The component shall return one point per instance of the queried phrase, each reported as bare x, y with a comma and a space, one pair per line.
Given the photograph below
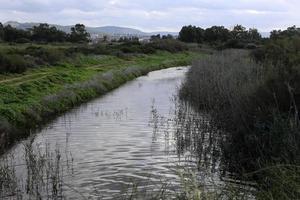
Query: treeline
282, 49
238, 37
292, 31
218, 34
44, 33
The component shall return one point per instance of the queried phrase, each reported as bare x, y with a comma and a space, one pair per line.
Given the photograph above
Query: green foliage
47, 55
13, 35
284, 51
219, 36
28, 99
13, 63
169, 45
1, 32
79, 34
191, 34
45, 33
289, 32
216, 34
42, 55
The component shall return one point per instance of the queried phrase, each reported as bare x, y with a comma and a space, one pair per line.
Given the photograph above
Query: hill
110, 30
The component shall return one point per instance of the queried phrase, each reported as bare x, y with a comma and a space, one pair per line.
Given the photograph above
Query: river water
117, 140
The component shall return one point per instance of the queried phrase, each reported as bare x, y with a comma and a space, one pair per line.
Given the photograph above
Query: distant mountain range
109, 30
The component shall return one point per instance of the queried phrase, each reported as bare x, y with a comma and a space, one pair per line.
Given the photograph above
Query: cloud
152, 15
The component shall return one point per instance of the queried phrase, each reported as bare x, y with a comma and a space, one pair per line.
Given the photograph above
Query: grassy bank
255, 106
31, 98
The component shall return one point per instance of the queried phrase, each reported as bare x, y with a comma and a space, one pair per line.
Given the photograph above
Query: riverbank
30, 99
255, 107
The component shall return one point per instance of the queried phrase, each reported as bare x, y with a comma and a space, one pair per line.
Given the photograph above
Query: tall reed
254, 104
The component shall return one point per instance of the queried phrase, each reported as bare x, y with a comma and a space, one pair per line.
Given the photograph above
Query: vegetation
36, 76
254, 101
30, 98
48, 171
18, 58
43, 34
43, 177
252, 98
221, 37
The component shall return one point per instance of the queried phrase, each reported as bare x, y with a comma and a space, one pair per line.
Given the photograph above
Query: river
118, 140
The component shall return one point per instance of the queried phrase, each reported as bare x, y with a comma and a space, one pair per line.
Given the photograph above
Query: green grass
29, 99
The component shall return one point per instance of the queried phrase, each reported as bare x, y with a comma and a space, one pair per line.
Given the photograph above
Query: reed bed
255, 108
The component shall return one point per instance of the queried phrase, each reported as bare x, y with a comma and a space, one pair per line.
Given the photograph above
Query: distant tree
239, 32
45, 33
292, 31
254, 35
199, 33
41, 33
217, 34
15, 35
191, 34
79, 34
289, 32
155, 37
166, 37
58, 35
275, 34
1, 32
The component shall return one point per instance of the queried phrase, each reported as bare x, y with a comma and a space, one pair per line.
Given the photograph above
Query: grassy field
30, 98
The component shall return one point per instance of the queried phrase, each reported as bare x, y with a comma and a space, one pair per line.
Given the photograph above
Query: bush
255, 107
13, 63
284, 51
23, 40
48, 55
255, 104
169, 45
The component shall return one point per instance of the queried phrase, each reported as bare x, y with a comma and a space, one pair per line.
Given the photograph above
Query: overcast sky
155, 15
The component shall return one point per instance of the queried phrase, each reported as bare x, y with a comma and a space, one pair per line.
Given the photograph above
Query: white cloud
155, 15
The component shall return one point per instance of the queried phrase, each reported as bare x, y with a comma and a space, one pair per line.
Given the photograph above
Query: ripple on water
112, 141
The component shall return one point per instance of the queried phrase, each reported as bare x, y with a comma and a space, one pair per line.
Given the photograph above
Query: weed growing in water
40, 176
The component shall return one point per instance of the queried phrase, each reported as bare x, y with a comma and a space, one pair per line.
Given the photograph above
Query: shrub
48, 55
13, 63
23, 40
255, 106
170, 45
253, 103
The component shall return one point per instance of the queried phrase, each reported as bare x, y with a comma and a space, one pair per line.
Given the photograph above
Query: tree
79, 34
155, 37
1, 32
217, 34
14, 35
254, 35
275, 34
289, 32
239, 32
191, 34
40, 33
45, 33
167, 37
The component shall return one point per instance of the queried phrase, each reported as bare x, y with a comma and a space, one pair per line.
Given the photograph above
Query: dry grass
256, 108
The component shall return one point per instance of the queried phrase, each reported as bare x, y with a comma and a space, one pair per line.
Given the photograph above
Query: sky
155, 15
